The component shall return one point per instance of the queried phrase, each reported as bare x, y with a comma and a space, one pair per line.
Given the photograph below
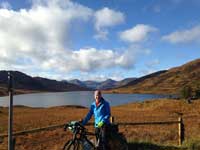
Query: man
101, 110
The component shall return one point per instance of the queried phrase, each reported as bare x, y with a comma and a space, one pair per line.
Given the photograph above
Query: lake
83, 98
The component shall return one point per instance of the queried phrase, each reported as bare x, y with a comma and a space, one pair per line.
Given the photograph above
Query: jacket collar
100, 102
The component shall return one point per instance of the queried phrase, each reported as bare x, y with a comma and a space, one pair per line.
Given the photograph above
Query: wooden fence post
180, 131
10, 116
111, 119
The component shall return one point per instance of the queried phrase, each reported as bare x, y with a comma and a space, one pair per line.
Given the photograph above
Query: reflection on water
83, 98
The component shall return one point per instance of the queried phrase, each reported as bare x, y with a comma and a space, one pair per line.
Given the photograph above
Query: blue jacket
101, 113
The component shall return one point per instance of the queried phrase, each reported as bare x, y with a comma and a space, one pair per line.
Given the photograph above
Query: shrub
197, 91
193, 145
186, 92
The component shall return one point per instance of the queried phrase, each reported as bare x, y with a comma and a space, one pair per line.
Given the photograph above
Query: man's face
97, 96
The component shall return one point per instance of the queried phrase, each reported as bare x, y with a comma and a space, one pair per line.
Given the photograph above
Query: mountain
77, 82
26, 84
92, 84
21, 81
53, 85
125, 81
167, 82
149, 76
107, 84
103, 85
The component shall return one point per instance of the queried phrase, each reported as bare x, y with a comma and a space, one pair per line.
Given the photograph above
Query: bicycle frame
79, 136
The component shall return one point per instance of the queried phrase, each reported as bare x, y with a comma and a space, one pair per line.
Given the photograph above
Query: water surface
83, 98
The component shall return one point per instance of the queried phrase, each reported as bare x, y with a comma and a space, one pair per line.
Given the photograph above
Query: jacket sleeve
89, 115
107, 113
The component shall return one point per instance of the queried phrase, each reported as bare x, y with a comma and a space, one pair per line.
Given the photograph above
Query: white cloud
184, 36
107, 17
104, 18
5, 5
40, 28
100, 77
138, 33
91, 59
101, 35
153, 63
35, 41
35, 35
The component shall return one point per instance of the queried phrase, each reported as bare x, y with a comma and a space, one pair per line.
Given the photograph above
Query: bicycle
80, 141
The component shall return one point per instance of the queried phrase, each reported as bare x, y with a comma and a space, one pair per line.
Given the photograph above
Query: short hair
97, 92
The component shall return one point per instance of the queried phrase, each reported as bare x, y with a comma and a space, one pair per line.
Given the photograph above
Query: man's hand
100, 124
80, 121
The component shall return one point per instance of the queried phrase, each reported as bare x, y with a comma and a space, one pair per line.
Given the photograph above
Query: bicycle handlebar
74, 125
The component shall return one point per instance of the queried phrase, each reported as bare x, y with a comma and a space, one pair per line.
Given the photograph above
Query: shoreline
22, 91
61, 106
4, 92
80, 106
121, 105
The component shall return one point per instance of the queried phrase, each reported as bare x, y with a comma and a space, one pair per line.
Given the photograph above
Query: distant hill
125, 81
165, 81
110, 84
141, 79
170, 81
92, 84
78, 82
26, 84
107, 84
89, 84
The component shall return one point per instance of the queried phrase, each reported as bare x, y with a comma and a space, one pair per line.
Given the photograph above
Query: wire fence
29, 137
24, 142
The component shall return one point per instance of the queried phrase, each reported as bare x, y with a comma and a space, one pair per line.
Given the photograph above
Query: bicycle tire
73, 145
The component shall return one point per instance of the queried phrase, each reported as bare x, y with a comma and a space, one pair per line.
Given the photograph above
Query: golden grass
154, 110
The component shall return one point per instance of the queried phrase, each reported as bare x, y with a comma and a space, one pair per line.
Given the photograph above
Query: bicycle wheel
73, 145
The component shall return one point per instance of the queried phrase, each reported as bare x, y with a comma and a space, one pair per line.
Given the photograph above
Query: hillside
170, 81
164, 82
26, 84
125, 81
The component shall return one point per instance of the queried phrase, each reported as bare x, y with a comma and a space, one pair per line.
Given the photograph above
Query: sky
97, 40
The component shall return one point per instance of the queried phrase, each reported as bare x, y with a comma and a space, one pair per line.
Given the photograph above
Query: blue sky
96, 40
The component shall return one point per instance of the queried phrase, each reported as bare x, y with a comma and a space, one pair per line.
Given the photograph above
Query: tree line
189, 92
